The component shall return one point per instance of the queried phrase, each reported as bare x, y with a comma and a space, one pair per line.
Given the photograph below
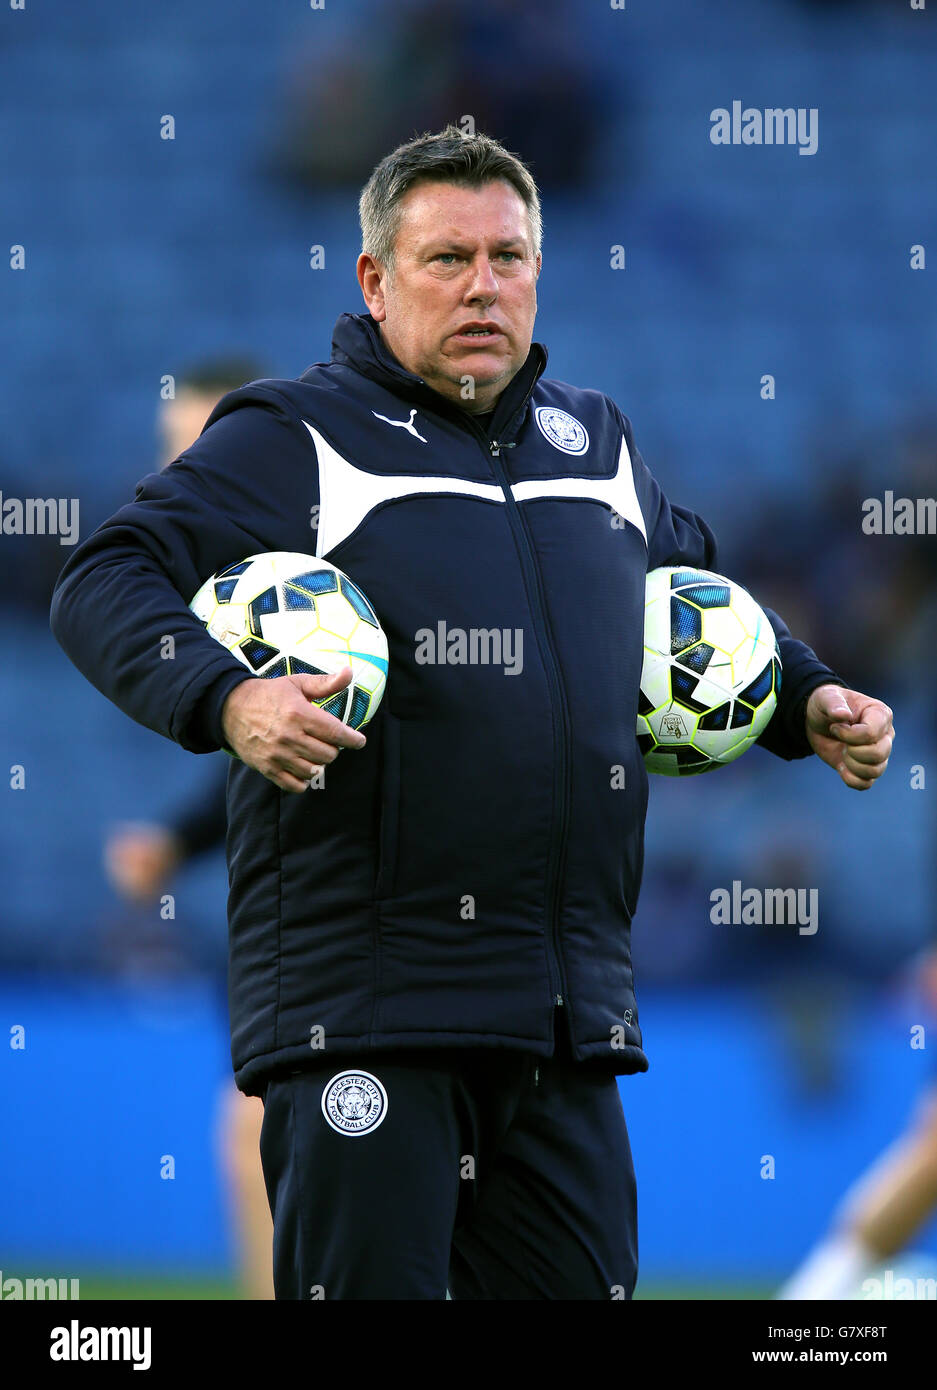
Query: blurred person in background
886, 1207
896, 1196
142, 859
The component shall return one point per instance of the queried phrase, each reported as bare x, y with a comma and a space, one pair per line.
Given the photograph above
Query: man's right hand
273, 727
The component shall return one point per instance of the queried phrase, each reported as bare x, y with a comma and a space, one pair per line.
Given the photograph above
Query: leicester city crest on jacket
562, 429
354, 1102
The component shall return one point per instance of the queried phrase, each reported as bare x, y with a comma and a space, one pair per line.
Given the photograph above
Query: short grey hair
451, 156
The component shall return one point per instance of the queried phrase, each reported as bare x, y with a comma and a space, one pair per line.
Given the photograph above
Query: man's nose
483, 283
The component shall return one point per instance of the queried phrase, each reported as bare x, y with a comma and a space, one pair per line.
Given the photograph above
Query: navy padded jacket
476, 866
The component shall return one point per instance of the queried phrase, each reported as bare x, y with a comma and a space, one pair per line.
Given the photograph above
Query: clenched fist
273, 727
852, 733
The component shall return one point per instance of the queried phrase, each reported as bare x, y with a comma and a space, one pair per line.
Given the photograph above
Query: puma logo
404, 424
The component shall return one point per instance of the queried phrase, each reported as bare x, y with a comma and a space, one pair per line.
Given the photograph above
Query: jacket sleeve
676, 536
248, 484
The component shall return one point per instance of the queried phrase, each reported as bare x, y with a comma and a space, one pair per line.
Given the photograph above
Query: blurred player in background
883, 1211
141, 859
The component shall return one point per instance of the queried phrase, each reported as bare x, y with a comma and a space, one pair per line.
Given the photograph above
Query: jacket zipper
492, 448
558, 858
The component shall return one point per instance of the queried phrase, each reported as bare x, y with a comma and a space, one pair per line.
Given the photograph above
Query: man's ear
371, 278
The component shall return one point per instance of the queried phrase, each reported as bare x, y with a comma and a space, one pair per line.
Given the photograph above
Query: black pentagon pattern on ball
258, 653
645, 744
335, 704
683, 684
708, 595
698, 658
686, 626
304, 668
224, 588
690, 769
315, 582
226, 580
716, 720
741, 715
360, 700
681, 577
760, 687
644, 704
689, 761
264, 603
358, 601
295, 600
279, 668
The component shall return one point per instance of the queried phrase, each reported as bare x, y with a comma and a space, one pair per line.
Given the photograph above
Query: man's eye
447, 256
512, 255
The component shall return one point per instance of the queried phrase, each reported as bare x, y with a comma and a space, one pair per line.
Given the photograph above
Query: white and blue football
711, 673
282, 614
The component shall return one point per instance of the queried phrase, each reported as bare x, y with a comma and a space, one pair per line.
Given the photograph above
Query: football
283, 614
711, 674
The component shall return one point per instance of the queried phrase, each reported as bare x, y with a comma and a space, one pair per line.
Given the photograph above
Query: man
141, 860
430, 976
887, 1206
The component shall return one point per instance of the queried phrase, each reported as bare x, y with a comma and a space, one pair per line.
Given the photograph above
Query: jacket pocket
390, 808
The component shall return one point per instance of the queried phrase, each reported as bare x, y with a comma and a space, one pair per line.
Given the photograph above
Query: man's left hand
851, 732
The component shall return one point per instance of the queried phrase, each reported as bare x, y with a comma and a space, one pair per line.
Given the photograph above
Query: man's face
181, 420
464, 260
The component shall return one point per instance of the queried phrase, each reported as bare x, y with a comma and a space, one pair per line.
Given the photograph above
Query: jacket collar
357, 343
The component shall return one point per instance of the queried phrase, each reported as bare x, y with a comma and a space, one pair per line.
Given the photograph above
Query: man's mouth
477, 335
479, 332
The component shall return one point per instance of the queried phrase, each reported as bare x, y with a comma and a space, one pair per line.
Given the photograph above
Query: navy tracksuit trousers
497, 1175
